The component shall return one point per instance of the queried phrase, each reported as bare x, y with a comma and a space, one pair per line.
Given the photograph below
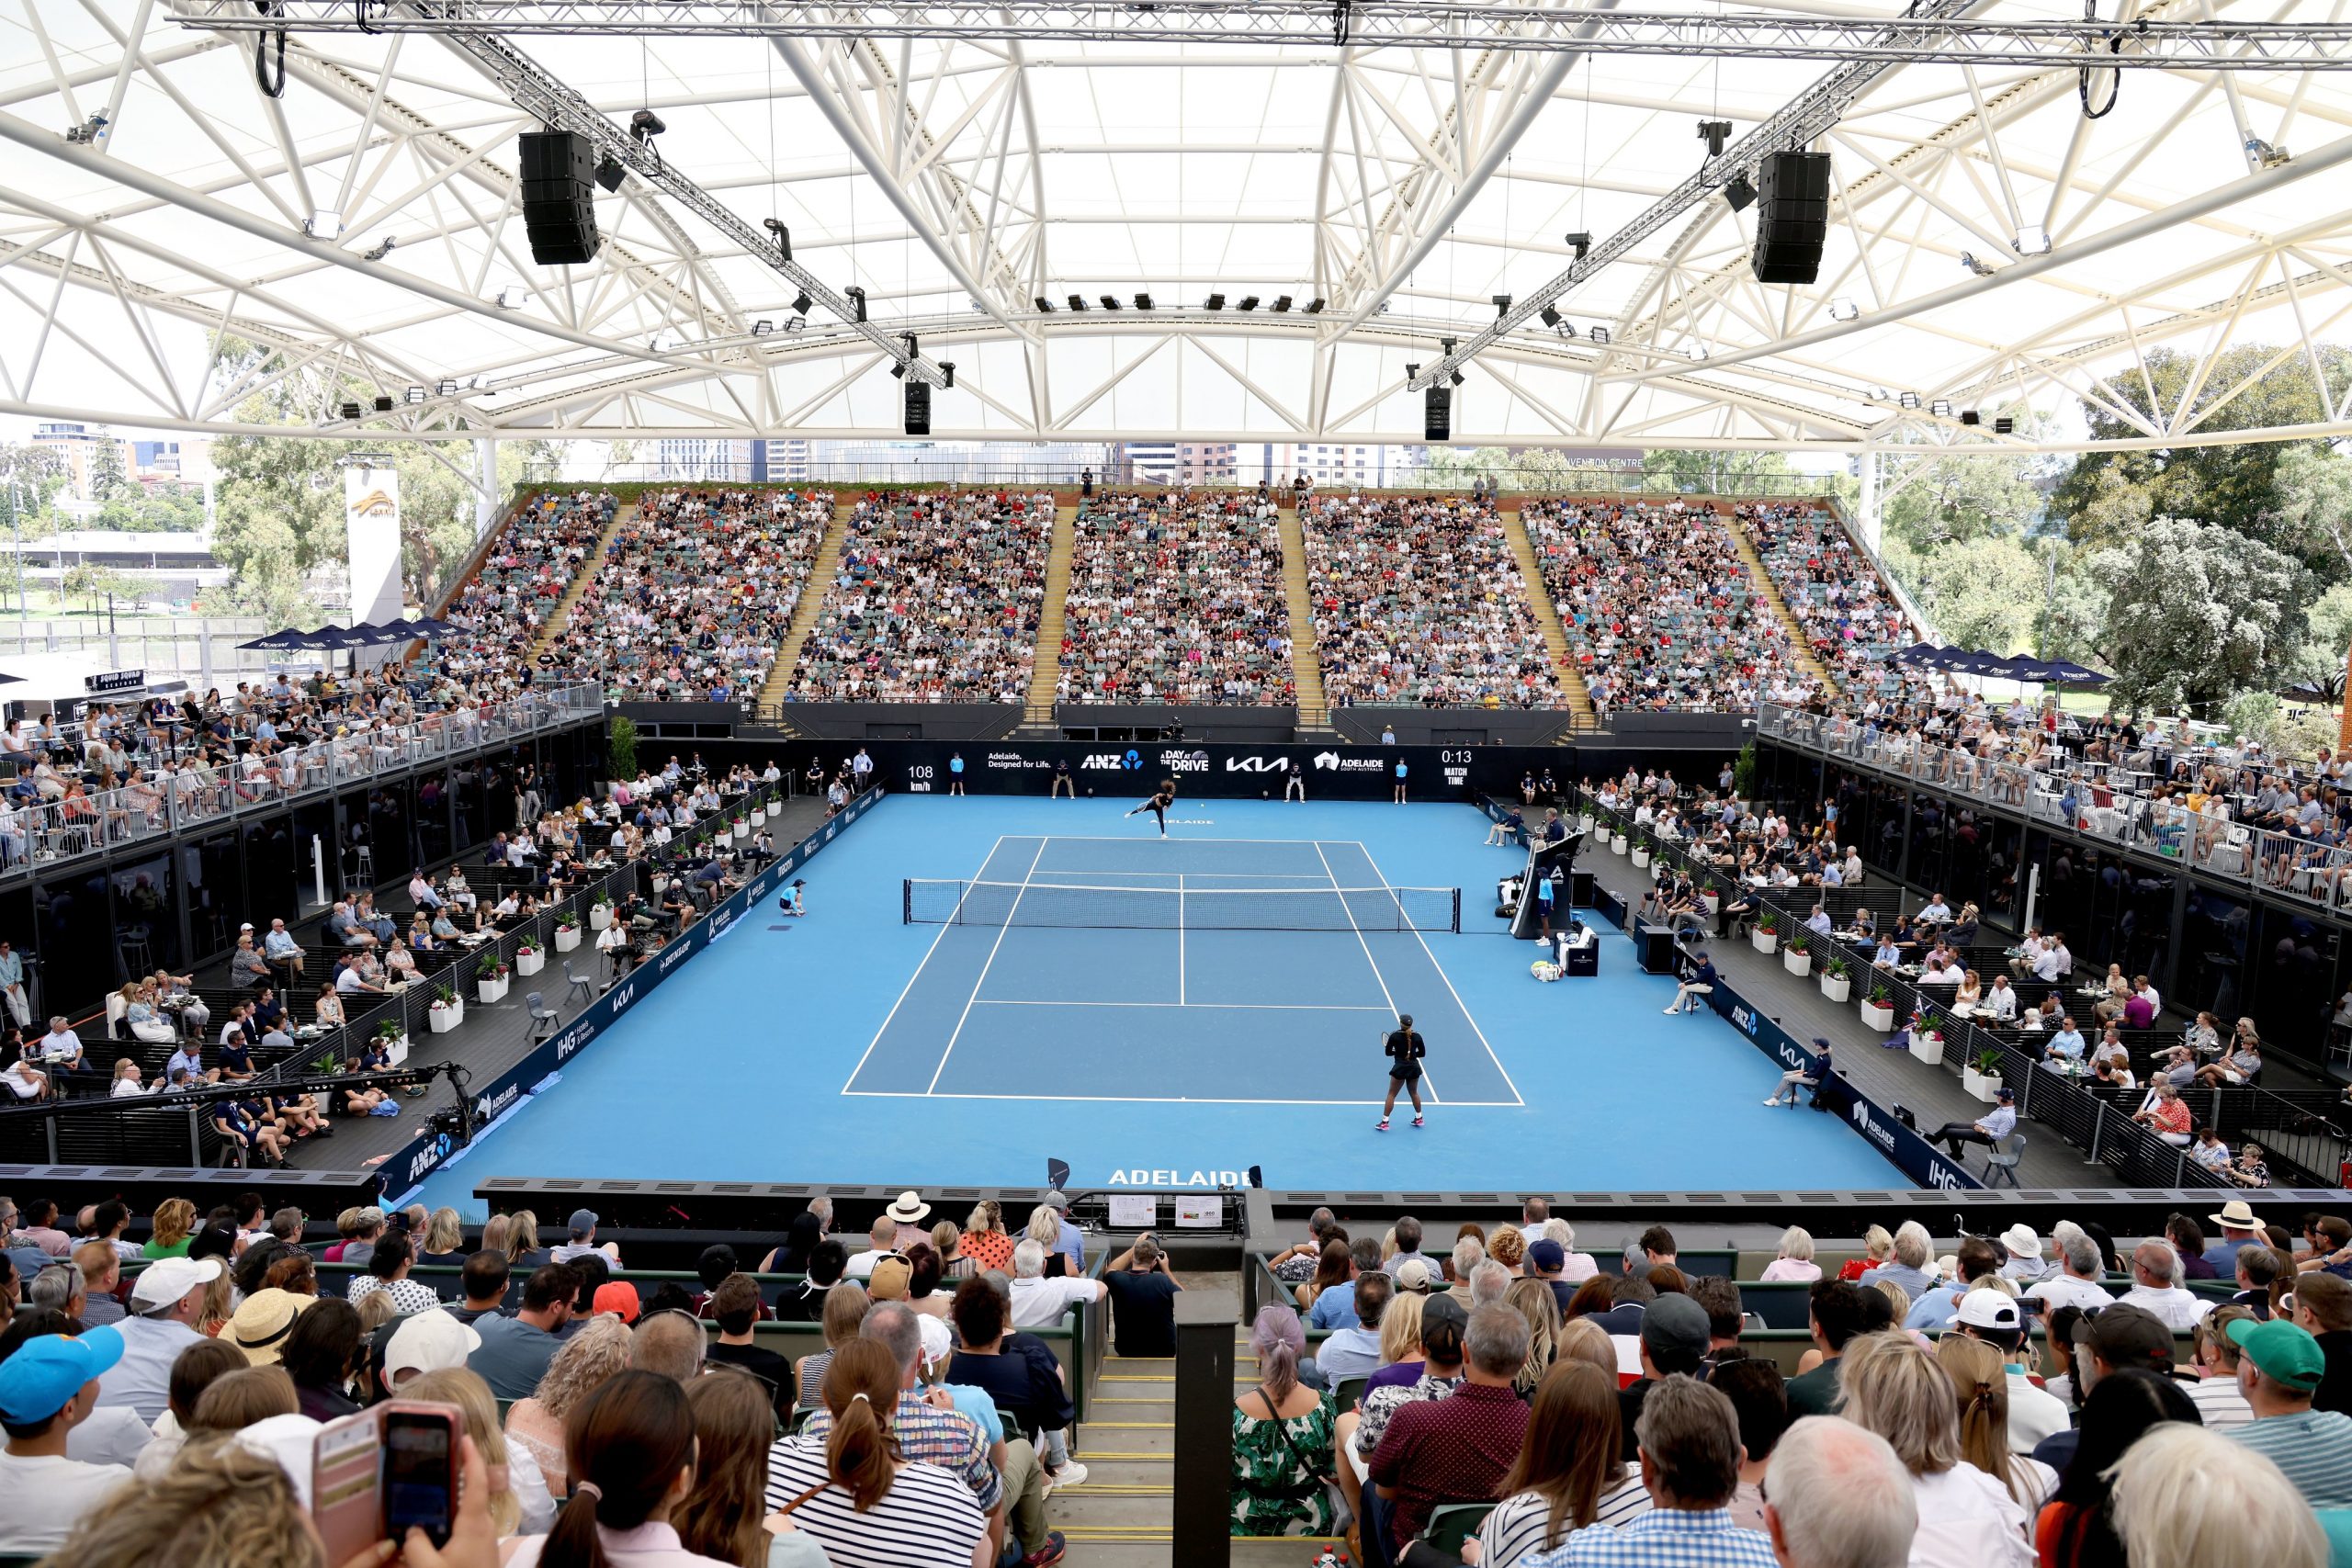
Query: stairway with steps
1305, 665
622, 518
1038, 717
1771, 593
804, 613
1547, 617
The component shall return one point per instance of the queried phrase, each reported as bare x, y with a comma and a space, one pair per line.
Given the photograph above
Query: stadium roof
1989, 242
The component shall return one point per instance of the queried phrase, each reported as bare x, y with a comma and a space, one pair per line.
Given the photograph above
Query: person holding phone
1404, 1048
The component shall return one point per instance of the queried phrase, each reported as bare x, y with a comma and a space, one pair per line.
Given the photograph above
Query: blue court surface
1164, 1048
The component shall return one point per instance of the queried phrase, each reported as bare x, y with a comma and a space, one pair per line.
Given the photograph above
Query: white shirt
861, 1264
1039, 1304
2034, 1413
2177, 1307
42, 1499
142, 1379
1967, 1519
113, 1434
2067, 1289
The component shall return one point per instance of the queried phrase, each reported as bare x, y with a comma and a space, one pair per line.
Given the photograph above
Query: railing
36, 834
2104, 802
2094, 1119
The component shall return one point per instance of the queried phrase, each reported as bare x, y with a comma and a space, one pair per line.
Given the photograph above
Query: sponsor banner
1923, 1164
371, 521
429, 1152
1207, 770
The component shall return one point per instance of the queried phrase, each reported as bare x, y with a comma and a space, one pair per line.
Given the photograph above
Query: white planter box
742, 830
444, 1019
399, 1052
1797, 963
1714, 901
488, 991
1985, 1086
660, 883
1879, 1018
1641, 858
566, 938
1930, 1050
1583, 823
599, 916
529, 963
1618, 844
759, 817
1766, 941
1837, 987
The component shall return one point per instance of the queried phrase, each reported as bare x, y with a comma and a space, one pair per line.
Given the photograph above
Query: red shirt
1455, 1450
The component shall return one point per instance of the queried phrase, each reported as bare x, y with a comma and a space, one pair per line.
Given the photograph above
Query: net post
1457, 926
907, 901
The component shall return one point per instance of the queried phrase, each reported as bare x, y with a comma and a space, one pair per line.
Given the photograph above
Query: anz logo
1745, 1017
1110, 762
432, 1154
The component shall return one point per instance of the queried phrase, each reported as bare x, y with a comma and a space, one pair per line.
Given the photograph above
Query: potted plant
600, 913
1642, 846
742, 828
1617, 842
759, 814
567, 932
1878, 1011
1836, 980
529, 958
1798, 959
1928, 1040
447, 1012
1982, 1076
1712, 897
490, 979
1767, 935
395, 1039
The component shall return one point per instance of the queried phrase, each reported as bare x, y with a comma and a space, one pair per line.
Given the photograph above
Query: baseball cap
430, 1342
46, 1373
581, 1221
2005, 1093
937, 1343
2125, 1336
2282, 1352
263, 1322
1547, 1256
889, 1281
1444, 1309
618, 1298
168, 1280
1413, 1274
1989, 1309
1057, 1199
1675, 1322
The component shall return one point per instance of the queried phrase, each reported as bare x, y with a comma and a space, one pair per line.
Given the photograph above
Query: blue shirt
1071, 1239
1335, 1308
1351, 1352
2068, 1045
1663, 1537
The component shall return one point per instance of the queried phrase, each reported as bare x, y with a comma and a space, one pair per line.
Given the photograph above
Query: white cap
430, 1342
937, 1343
169, 1280
1990, 1309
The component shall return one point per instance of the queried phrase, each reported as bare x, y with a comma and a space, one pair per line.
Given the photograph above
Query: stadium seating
500, 611
1176, 599
1846, 610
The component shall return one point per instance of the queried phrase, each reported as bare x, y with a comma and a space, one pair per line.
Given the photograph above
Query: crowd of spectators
1658, 606
1846, 612
1176, 598
694, 595
502, 609
936, 599
2021, 1399
1419, 602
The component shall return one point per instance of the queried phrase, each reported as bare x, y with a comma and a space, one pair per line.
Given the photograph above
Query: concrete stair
1771, 593
622, 518
1038, 717
1555, 637
1305, 665
804, 613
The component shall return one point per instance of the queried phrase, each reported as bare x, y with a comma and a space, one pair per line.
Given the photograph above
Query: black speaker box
1437, 416
557, 169
918, 407
1792, 216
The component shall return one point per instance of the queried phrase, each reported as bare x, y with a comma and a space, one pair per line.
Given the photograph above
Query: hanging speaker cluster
558, 197
1792, 216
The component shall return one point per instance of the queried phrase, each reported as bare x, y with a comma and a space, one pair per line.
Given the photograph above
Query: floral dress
1280, 1468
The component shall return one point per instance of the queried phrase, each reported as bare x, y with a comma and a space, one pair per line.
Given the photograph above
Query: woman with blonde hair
1581, 1339
1045, 1230
588, 1360
217, 1505
376, 1309
1400, 1342
1879, 1245
523, 1252
947, 1241
445, 1241
1796, 1261
985, 1241
1980, 1380
2187, 1494
522, 1506
175, 1225
494, 1232
1893, 1387
1534, 1300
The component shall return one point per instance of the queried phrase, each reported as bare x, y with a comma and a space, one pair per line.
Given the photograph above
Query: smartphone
420, 1469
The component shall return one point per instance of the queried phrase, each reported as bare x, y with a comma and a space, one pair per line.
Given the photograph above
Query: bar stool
137, 957
363, 870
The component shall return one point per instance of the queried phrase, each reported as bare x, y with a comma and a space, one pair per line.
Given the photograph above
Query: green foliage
1932, 500
2254, 716
2194, 613
1986, 591
1743, 772
91, 585
620, 744
165, 507
1988, 1062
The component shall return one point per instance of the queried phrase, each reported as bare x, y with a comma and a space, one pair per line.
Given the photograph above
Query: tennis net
932, 902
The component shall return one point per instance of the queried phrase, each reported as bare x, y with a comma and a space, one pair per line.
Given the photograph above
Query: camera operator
1143, 1299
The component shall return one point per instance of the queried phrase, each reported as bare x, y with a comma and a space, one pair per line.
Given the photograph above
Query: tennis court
1234, 970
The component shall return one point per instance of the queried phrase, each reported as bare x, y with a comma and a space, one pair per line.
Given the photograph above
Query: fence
45, 832
2305, 1145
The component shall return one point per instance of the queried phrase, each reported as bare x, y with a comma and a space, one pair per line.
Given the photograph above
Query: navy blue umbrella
277, 642
2066, 672
1926, 655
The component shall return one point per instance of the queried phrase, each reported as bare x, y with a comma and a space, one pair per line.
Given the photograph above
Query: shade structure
277, 642
2066, 672
333, 636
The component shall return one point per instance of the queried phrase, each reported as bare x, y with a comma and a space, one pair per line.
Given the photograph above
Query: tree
1986, 592
2194, 613
165, 507
110, 476
1935, 496
2110, 495
2313, 506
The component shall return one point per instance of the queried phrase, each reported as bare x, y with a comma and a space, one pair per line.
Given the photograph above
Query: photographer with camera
1143, 1299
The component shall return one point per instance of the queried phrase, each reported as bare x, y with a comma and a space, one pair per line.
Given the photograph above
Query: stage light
383, 403
2034, 239
1282, 302
416, 394
1110, 301
800, 303
762, 327
381, 249
1714, 133
1502, 304
610, 173
783, 237
1908, 399
323, 224
2003, 425
1315, 306
1078, 301
513, 297
1246, 302
794, 323
349, 411
1457, 378
1045, 306
857, 298
1143, 303
1982, 269
1601, 334
445, 388
1740, 192
1843, 310
898, 370
1213, 302
645, 124
1549, 315
1581, 243
1971, 417
1940, 408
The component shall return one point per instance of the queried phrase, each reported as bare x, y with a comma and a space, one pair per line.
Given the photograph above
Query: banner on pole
371, 520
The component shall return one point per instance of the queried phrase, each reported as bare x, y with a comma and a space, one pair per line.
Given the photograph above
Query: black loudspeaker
1792, 216
1437, 417
558, 196
918, 407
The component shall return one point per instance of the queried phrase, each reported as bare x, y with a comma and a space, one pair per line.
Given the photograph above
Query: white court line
1180, 939
944, 929
1378, 978
1468, 1017
1146, 1099
991, 961
1203, 1007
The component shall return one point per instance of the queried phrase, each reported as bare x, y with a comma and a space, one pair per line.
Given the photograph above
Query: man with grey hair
368, 1229
1468, 1253
1840, 1498
59, 1286
1913, 1249
1455, 1450
2155, 1286
1689, 1438
1579, 1266
670, 1343
1489, 1282
1037, 1302
2078, 1285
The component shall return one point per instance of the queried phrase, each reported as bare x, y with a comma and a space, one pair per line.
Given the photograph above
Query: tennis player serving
1404, 1048
1164, 797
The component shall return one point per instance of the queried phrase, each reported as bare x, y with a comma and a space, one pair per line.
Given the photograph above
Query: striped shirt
948, 1439
926, 1519
1516, 1526
2219, 1401
1664, 1538
2315, 1449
